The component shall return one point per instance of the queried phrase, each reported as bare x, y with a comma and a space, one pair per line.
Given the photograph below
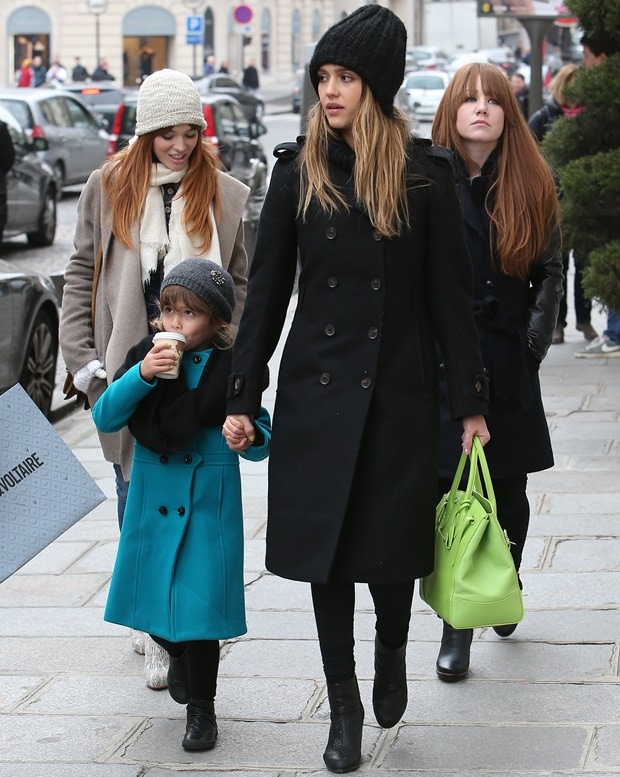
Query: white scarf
175, 245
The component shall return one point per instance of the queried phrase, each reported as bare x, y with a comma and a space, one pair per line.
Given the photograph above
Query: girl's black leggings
334, 606
203, 659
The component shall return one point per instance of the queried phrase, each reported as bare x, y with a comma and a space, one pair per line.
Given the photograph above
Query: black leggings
513, 510
334, 606
203, 658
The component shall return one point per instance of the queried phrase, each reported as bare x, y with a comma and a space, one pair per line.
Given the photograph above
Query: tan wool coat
120, 311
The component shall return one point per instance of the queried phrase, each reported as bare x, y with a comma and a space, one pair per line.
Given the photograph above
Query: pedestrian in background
100, 73
24, 77
57, 73
181, 580
511, 220
373, 215
540, 123
160, 200
7, 159
39, 70
250, 77
79, 72
521, 92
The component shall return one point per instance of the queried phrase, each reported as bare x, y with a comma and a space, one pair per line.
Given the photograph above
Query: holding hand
239, 432
474, 425
159, 359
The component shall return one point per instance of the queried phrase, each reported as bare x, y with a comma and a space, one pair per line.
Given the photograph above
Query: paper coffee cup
176, 342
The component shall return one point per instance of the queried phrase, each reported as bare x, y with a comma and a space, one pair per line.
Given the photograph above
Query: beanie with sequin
167, 98
209, 281
371, 42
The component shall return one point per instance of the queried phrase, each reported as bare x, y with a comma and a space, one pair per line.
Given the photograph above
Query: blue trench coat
179, 567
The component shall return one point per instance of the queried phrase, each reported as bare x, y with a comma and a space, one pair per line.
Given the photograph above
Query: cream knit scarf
176, 244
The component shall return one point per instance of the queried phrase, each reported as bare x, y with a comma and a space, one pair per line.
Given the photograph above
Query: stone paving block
602, 553
55, 558
62, 738
272, 658
50, 590
468, 748
254, 555
591, 525
576, 481
105, 529
577, 626
15, 688
73, 770
606, 751
249, 745
99, 558
566, 444
570, 589
588, 426
57, 622
589, 506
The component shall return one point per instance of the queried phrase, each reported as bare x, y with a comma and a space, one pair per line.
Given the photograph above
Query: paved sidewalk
546, 701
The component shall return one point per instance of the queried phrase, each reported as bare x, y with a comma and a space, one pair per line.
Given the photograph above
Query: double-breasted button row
325, 379
187, 459
375, 283
330, 234
164, 510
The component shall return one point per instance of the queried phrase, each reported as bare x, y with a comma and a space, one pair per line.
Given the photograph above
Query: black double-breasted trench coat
352, 471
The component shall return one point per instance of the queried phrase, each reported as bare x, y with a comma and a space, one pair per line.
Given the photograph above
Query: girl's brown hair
381, 158
525, 205
179, 296
126, 179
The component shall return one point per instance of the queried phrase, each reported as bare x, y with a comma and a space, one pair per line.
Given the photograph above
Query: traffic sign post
194, 33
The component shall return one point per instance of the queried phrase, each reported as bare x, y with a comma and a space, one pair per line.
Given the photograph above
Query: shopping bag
474, 582
44, 489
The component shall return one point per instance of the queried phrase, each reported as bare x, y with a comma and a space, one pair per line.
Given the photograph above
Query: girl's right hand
159, 359
239, 432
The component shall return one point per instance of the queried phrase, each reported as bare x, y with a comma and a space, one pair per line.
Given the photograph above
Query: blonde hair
563, 78
223, 333
380, 173
524, 208
126, 178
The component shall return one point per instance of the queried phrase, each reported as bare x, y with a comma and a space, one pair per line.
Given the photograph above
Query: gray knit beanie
209, 281
167, 98
371, 42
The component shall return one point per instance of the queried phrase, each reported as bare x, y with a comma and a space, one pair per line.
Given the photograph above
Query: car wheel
59, 172
44, 236
39, 371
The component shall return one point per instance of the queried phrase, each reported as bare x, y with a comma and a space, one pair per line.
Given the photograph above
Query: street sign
193, 30
243, 14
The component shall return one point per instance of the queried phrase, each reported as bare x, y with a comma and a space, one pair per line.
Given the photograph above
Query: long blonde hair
563, 78
380, 172
525, 205
126, 178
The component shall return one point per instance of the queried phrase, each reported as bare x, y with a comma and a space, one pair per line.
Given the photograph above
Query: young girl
158, 201
374, 216
179, 568
511, 216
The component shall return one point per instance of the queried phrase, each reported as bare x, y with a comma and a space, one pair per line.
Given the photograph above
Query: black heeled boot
201, 729
178, 681
344, 746
389, 690
453, 658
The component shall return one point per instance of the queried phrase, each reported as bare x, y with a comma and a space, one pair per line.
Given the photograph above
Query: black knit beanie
209, 281
371, 42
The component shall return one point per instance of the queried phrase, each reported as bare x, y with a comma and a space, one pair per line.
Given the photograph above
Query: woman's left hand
239, 432
474, 425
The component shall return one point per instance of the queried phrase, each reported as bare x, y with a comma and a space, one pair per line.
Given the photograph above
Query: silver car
71, 138
28, 333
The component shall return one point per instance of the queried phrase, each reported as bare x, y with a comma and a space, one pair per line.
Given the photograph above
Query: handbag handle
477, 465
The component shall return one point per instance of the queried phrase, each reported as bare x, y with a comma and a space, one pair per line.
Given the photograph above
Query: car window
426, 82
128, 120
55, 112
20, 110
79, 116
225, 120
225, 83
242, 125
18, 136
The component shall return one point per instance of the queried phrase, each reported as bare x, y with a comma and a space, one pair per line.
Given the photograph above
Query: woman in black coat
511, 226
375, 218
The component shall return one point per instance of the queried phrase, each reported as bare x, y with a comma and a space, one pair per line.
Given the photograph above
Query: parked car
425, 58
32, 189
421, 92
102, 97
28, 333
220, 83
70, 137
234, 138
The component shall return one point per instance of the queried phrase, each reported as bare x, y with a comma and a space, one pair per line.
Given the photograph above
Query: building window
296, 58
265, 40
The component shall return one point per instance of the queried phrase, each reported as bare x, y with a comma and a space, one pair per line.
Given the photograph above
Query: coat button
489, 284
330, 233
376, 235
181, 511
197, 359
332, 281
375, 284
330, 330
187, 459
237, 384
366, 382
168, 209
373, 333
478, 386
324, 379
163, 459
163, 510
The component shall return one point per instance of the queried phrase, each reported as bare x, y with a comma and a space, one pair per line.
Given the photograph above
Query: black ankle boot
344, 746
178, 682
201, 729
453, 658
389, 690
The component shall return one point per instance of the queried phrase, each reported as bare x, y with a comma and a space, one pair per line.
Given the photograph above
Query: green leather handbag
474, 582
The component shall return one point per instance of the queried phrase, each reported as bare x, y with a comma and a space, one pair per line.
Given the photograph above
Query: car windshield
425, 82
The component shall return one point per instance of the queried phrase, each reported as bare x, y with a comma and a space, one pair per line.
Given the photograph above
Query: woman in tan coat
158, 201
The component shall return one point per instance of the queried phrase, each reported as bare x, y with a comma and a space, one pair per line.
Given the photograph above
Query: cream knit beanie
167, 98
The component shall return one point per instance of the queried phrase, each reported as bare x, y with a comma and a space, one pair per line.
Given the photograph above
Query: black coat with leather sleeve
352, 471
515, 320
